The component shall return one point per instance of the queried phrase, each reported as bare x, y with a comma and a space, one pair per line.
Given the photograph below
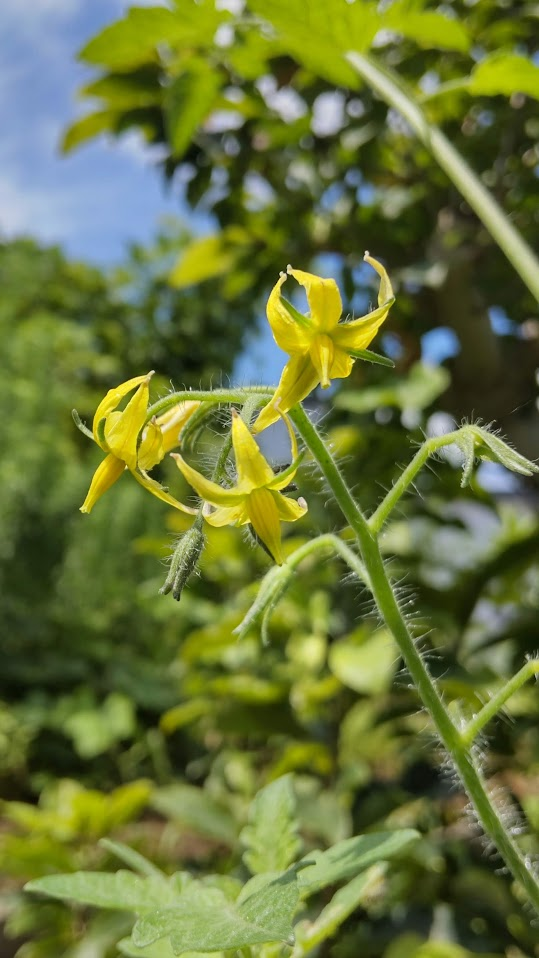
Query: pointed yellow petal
264, 517
288, 335
173, 421
360, 332
106, 474
322, 352
289, 510
207, 489
252, 469
386, 295
298, 379
122, 428
227, 516
113, 397
323, 297
342, 364
284, 478
151, 449
157, 490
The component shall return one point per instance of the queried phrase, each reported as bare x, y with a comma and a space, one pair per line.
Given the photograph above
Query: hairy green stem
455, 743
213, 396
329, 541
470, 732
390, 88
426, 450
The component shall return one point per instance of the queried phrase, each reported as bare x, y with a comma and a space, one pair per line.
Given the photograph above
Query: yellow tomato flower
256, 498
130, 444
320, 347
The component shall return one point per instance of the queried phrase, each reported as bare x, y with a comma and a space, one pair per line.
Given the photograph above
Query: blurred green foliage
130, 716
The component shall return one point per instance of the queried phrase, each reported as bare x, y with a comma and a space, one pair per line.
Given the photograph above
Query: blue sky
96, 199
99, 198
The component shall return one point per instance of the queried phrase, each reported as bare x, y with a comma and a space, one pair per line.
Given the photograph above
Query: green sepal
295, 314
80, 425
369, 357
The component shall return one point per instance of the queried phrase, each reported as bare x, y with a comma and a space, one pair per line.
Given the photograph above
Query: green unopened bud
476, 442
184, 561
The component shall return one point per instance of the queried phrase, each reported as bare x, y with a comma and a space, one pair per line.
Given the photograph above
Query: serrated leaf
204, 920
121, 890
351, 856
504, 74
188, 101
341, 906
196, 810
271, 835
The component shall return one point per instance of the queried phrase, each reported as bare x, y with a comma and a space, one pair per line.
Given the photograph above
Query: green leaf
202, 259
103, 121
318, 34
205, 920
159, 949
505, 73
351, 856
418, 390
188, 100
130, 91
121, 890
132, 858
365, 663
427, 28
344, 902
133, 40
271, 835
196, 810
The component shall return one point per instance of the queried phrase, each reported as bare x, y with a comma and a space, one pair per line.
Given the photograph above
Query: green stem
470, 732
214, 396
457, 747
428, 448
390, 88
329, 541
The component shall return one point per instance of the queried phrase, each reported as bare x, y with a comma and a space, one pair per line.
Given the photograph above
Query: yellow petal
287, 333
386, 295
252, 469
264, 517
173, 421
157, 490
289, 510
298, 379
122, 428
322, 352
323, 297
207, 489
106, 474
227, 516
151, 449
284, 478
360, 332
113, 397
342, 364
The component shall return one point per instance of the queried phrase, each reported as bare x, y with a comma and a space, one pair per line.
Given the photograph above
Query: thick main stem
456, 745
389, 87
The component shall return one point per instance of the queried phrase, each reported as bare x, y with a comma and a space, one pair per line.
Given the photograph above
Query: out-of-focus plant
262, 911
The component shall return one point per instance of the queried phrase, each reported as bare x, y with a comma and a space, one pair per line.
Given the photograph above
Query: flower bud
184, 561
